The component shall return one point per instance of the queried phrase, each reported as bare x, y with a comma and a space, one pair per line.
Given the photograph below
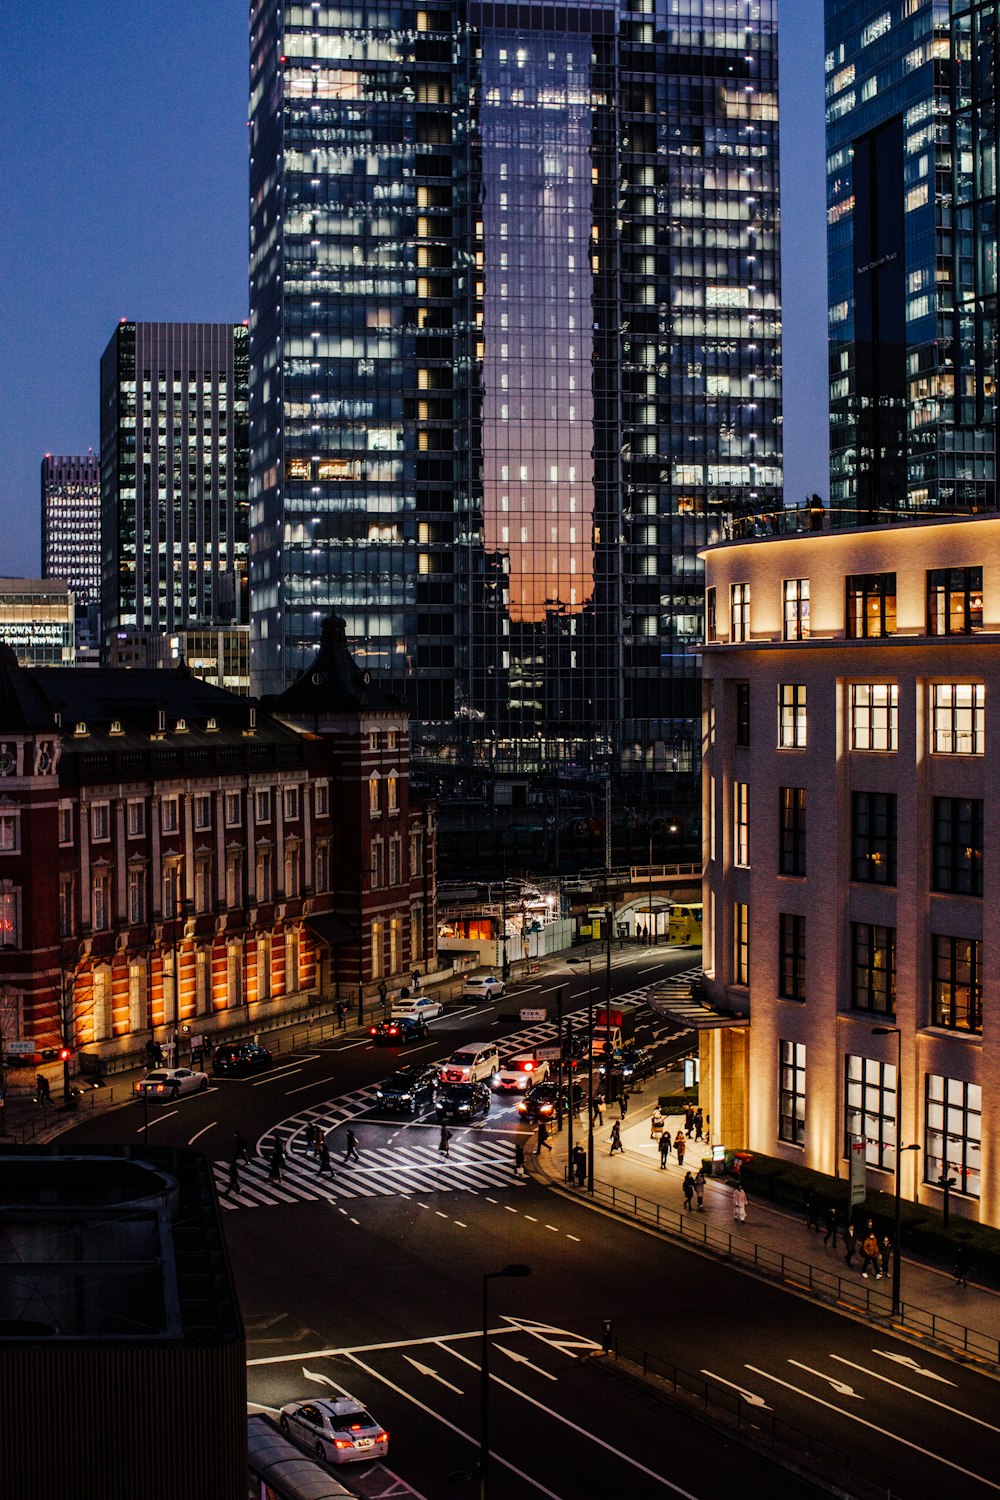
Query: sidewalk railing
827, 1286
780, 1438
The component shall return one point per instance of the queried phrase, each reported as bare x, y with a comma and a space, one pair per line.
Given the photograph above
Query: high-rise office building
71, 523
514, 344
911, 90
174, 463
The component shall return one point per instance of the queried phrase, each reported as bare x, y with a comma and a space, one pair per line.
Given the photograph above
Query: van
472, 1063
685, 924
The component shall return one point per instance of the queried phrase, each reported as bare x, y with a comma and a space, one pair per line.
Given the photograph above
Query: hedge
922, 1230
676, 1104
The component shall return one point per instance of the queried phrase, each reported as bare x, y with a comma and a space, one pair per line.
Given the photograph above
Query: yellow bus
685, 924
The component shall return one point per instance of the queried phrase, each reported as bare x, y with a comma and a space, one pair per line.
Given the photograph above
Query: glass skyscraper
174, 460
911, 110
514, 346
71, 523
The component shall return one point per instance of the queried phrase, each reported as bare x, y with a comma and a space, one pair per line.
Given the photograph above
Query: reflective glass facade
514, 344
912, 241
71, 523
174, 480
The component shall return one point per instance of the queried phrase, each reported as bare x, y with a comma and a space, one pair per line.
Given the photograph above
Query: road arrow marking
911, 1364
522, 1359
920, 1395
750, 1397
840, 1386
321, 1379
556, 1338
426, 1370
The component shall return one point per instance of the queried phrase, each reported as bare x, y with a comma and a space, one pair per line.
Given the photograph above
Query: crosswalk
478, 1158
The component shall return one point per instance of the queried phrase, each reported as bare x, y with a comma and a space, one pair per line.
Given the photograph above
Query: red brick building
174, 858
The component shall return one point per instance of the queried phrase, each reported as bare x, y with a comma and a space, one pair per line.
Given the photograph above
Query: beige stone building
852, 851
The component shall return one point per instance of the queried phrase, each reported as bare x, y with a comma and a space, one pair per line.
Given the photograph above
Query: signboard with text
534, 1015
859, 1184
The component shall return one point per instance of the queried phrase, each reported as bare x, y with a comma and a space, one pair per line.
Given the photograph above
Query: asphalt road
370, 1280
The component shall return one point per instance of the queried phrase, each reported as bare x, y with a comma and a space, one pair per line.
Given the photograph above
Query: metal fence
827, 1286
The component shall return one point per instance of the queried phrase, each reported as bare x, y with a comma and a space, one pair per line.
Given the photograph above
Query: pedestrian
416, 980
656, 1124
623, 1101
241, 1151
640, 933
740, 1204
233, 1185
850, 1242
443, 1141
664, 1149
518, 1158
277, 1161
699, 1187
580, 1165
699, 1121
312, 1140
689, 1121
680, 1146
885, 1256
341, 1014
42, 1091
688, 1188
543, 1138
325, 1164
352, 1153
869, 1249
151, 1053
599, 1107
812, 1213
831, 1226
616, 1139
383, 993
707, 1128
962, 1264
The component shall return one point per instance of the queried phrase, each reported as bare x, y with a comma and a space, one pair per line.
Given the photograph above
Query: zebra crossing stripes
383, 1171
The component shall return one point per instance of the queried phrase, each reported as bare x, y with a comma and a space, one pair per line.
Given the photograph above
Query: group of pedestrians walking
876, 1254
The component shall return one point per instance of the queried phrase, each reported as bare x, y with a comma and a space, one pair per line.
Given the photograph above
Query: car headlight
406, 1098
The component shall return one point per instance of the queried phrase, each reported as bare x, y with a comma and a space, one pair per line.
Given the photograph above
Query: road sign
547, 1054
20, 1049
534, 1015
859, 1185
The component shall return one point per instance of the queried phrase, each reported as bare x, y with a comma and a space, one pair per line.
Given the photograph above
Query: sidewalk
774, 1241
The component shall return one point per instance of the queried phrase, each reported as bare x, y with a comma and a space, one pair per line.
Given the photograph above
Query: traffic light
65, 1053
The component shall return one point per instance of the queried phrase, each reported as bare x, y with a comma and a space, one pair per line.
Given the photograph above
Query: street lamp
590, 1067
895, 1031
484, 1376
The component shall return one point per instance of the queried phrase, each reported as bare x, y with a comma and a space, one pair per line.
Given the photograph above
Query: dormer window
81, 728
211, 726
253, 718
161, 720
181, 726
116, 727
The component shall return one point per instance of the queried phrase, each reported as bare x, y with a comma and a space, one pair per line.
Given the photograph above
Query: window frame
739, 613
873, 721
948, 718
741, 714
867, 844
232, 808
741, 825
793, 716
957, 860
791, 1092
795, 609
870, 606
135, 818
741, 943
944, 976
792, 806
869, 940
100, 822
938, 1163
170, 821
791, 956
949, 584
873, 1078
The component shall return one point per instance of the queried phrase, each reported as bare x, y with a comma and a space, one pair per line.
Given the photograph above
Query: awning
330, 928
684, 1001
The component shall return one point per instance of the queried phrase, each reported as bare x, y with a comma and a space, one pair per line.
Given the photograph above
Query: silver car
168, 1083
483, 987
340, 1430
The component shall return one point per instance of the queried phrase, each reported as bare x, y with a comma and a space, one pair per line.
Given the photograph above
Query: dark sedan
236, 1059
635, 1063
463, 1102
539, 1103
405, 1090
398, 1031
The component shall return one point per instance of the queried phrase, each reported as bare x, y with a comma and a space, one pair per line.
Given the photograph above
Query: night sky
125, 195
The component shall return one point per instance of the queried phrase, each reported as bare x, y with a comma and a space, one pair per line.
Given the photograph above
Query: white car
339, 1431
420, 1007
168, 1083
483, 987
518, 1074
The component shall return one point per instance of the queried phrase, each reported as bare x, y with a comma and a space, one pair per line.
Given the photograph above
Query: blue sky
124, 194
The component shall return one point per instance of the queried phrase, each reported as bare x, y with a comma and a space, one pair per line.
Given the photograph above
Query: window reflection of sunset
538, 409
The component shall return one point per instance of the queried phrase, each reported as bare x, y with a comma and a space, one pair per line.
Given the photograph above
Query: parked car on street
339, 1431
168, 1083
235, 1059
539, 1103
462, 1102
398, 1030
405, 1090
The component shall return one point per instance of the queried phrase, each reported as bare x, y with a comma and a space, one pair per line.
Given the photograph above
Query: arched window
374, 803
392, 791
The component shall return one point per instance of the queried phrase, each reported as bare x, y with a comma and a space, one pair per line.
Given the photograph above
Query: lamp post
650, 928
895, 1031
590, 1067
484, 1377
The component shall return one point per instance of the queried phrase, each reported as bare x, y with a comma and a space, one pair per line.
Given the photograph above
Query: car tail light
382, 1437
373, 1031
528, 1066
342, 1443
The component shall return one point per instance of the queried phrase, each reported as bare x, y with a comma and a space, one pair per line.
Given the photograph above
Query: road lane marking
345, 1350
459, 1224
874, 1427
956, 1411
840, 1386
452, 1427
750, 1397
911, 1364
276, 1077
202, 1132
440, 1214
573, 1237
531, 1218
314, 1085
522, 1359
168, 1116
553, 1228
427, 1370
509, 1209
582, 1431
